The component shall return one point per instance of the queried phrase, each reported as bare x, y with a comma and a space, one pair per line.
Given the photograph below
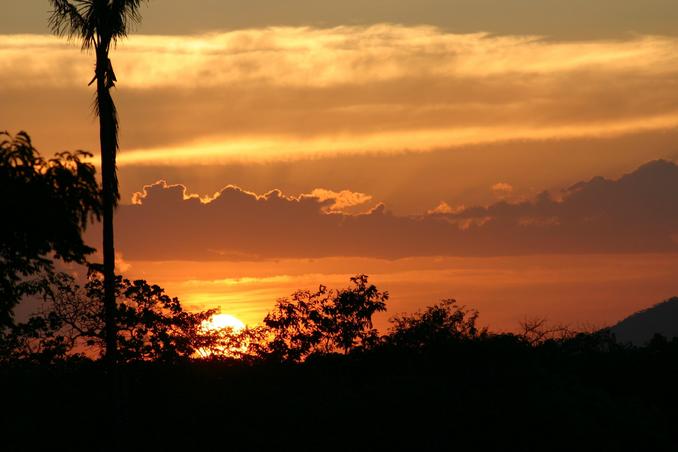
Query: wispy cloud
287, 93
324, 57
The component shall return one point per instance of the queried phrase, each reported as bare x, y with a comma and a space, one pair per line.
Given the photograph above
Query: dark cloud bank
637, 213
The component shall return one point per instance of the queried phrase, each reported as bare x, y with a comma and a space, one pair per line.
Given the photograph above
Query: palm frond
98, 24
69, 18
127, 12
94, 22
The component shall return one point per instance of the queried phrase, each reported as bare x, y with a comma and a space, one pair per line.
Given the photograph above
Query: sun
222, 321
227, 325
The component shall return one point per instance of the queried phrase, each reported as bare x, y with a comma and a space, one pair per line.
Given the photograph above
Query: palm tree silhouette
98, 24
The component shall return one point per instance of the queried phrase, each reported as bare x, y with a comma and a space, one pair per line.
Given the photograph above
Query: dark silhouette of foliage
489, 392
36, 340
46, 204
435, 381
249, 345
325, 321
437, 326
536, 331
99, 24
151, 325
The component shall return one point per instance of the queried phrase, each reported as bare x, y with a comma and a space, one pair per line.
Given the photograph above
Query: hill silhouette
640, 328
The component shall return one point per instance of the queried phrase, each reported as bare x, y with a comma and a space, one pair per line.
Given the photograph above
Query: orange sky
390, 129
583, 291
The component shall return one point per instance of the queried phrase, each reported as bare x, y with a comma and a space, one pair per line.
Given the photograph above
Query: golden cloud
285, 93
303, 56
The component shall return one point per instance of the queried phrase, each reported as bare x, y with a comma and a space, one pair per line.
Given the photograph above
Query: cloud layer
574, 19
290, 93
637, 213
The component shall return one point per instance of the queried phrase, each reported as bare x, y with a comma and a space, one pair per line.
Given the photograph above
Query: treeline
434, 382
154, 327
309, 325
317, 376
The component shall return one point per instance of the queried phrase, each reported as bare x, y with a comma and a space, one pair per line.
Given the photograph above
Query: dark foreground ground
495, 395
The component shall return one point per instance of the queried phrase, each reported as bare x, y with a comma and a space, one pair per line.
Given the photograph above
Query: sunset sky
516, 155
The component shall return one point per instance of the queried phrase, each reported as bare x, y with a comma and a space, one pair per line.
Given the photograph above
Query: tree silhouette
248, 345
98, 24
325, 321
437, 326
536, 331
45, 206
151, 325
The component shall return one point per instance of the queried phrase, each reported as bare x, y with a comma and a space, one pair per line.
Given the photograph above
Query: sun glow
223, 321
225, 327
228, 149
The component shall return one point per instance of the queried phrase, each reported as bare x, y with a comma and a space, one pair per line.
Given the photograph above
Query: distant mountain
639, 328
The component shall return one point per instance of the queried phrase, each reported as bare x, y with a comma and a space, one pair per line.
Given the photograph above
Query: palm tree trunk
108, 130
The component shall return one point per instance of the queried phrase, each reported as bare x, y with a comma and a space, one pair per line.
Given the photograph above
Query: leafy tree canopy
437, 326
325, 321
151, 325
45, 206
